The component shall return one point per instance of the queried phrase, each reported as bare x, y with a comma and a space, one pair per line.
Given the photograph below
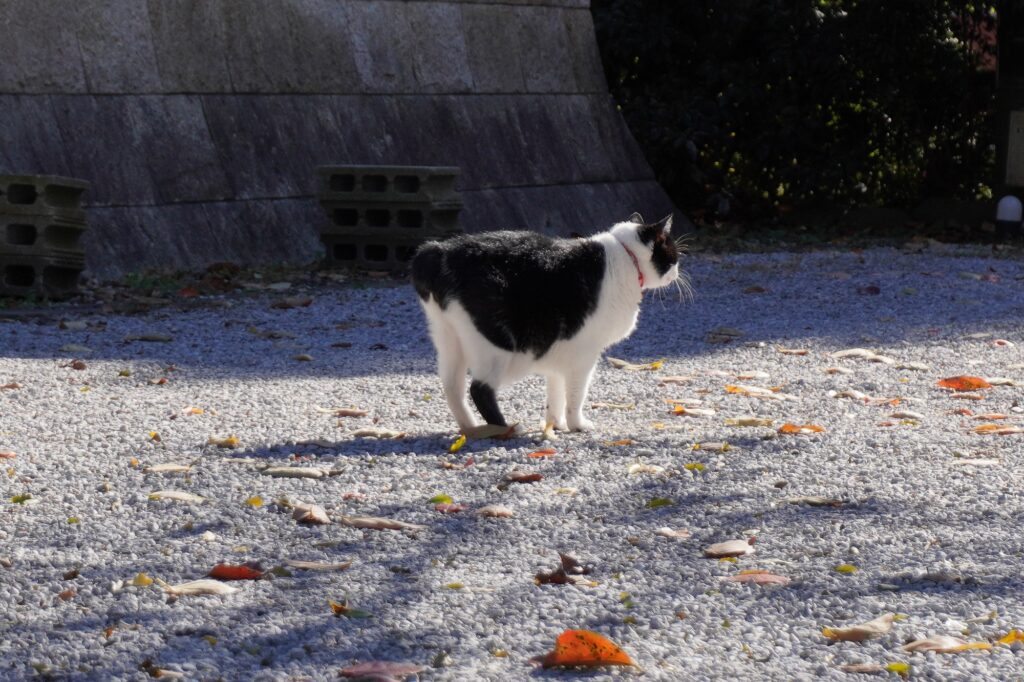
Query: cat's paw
580, 424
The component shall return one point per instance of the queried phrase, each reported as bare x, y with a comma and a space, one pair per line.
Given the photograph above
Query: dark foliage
751, 107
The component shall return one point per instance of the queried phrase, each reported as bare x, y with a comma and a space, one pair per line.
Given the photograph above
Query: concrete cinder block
116, 45
395, 184
40, 235
190, 43
42, 195
369, 251
390, 220
39, 48
47, 276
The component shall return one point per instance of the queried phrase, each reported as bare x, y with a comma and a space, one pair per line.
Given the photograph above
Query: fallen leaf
294, 472
1003, 343
12, 386
1001, 381
815, 501
944, 644
495, 511
658, 502
158, 381
792, 351
898, 667
801, 428
178, 495
292, 302
757, 577
864, 631
168, 469
967, 396
837, 370
676, 379
648, 366
667, 532
869, 668
730, 548
583, 648
197, 587
493, 431
440, 499
316, 565
569, 572
255, 501
613, 406
645, 469
310, 514
723, 335
863, 353
376, 523
748, 421
236, 572
228, 442
755, 375
457, 445
712, 446
618, 443
349, 412
382, 671
539, 454
303, 357
907, 414
998, 430
978, 462
964, 383
991, 416
382, 434
694, 466
142, 580
343, 609
523, 477
7, 455
693, 411
846, 569
1012, 637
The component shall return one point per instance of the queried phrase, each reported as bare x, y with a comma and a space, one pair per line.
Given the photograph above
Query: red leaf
964, 383
546, 452
585, 648
236, 572
381, 670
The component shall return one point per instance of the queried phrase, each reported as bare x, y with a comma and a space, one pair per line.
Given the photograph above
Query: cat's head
656, 251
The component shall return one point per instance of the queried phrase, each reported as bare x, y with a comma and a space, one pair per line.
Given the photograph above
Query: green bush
751, 107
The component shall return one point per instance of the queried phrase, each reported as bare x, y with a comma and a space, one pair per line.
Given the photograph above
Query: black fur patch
664, 253
524, 291
486, 403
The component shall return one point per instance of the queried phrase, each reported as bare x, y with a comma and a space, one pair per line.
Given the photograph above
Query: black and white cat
504, 305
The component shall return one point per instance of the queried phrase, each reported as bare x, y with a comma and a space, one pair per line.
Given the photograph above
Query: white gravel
932, 538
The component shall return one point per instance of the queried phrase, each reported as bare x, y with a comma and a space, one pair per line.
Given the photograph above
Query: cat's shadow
421, 444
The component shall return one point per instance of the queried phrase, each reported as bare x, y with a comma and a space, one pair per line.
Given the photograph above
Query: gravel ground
933, 532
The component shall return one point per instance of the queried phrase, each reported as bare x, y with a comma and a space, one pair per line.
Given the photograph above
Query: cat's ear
636, 218
665, 224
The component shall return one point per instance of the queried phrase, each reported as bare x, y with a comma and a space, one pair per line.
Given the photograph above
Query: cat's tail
427, 271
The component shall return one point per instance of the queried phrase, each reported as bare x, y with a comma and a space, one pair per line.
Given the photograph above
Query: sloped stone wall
199, 122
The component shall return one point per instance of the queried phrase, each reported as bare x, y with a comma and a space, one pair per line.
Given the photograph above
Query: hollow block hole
21, 235
343, 183
62, 196
378, 217
376, 252
22, 194
407, 184
19, 275
375, 183
410, 218
58, 279
61, 237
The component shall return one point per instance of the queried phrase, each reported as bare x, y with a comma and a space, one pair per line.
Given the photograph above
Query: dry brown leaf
647, 366
382, 671
495, 511
748, 421
310, 514
837, 370
753, 375
585, 649
382, 434
967, 396
677, 379
964, 383
944, 644
815, 501
667, 532
684, 411
168, 469
376, 523
228, 442
864, 631
863, 353
177, 495
12, 386
801, 428
792, 351
730, 548
613, 406
197, 587
991, 416
294, 472
645, 469
998, 429
316, 565
523, 477
757, 577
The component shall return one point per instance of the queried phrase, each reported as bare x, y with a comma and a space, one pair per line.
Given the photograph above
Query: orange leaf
585, 648
964, 383
801, 428
546, 452
230, 572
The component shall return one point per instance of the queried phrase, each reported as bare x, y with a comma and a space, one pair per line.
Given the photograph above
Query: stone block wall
199, 122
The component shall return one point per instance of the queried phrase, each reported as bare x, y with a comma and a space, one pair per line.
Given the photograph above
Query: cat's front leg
555, 412
577, 383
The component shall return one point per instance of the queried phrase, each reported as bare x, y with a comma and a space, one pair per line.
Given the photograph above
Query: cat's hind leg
577, 383
555, 412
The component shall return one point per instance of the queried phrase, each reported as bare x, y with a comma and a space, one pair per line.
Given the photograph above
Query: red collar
636, 263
